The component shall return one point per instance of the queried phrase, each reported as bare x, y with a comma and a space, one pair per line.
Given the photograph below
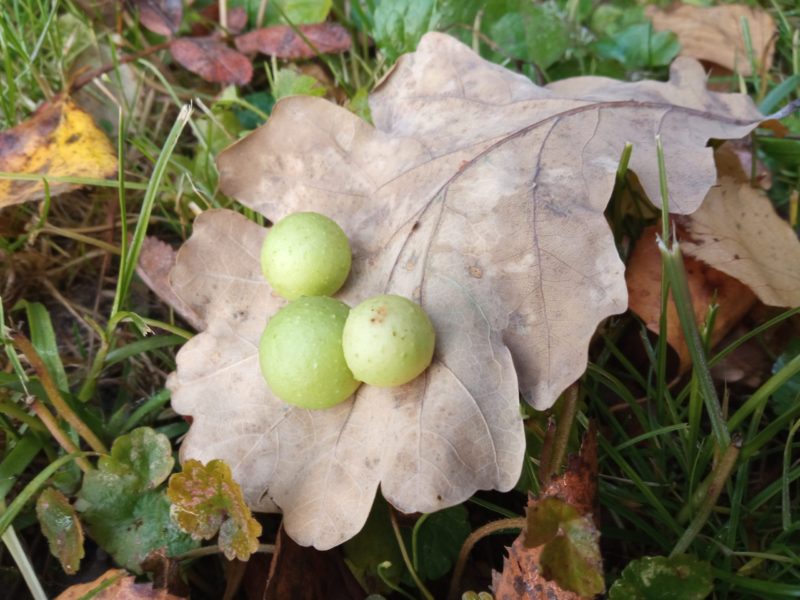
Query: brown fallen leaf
59, 140
478, 194
524, 576
237, 19
282, 41
715, 33
706, 286
115, 584
155, 262
212, 60
160, 16
737, 231
307, 574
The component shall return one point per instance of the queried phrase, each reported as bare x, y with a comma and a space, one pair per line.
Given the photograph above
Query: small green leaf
535, 33
206, 500
298, 12
123, 511
288, 82
787, 396
572, 559
399, 25
62, 529
143, 454
439, 540
544, 519
660, 578
639, 46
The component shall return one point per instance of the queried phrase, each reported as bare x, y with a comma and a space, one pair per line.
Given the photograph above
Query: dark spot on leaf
73, 138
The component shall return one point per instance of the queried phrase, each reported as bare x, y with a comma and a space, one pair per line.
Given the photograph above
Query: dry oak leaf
115, 584
479, 195
59, 140
715, 34
282, 41
738, 232
212, 60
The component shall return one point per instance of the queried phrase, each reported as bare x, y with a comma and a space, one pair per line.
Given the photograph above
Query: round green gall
301, 356
388, 341
306, 254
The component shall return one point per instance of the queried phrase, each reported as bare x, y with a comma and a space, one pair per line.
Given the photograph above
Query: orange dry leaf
715, 34
706, 286
115, 584
59, 140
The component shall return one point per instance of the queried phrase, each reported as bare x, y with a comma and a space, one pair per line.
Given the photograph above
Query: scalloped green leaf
119, 502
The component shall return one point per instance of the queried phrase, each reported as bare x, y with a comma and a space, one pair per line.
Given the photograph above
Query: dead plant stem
49, 421
62, 408
469, 543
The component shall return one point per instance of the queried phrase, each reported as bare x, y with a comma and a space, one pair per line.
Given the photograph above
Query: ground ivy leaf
123, 511
660, 578
207, 500
62, 528
572, 559
147, 455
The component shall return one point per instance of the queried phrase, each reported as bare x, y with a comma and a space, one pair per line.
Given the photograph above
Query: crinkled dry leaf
160, 16
212, 60
738, 232
715, 34
115, 584
707, 286
59, 140
62, 528
282, 41
479, 195
206, 500
558, 554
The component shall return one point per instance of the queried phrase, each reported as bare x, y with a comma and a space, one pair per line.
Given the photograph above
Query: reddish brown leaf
160, 16
304, 573
212, 60
522, 577
282, 41
155, 262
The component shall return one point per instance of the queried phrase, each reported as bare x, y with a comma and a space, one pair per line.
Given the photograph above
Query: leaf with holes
477, 194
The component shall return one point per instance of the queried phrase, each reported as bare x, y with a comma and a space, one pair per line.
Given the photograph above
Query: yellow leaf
59, 140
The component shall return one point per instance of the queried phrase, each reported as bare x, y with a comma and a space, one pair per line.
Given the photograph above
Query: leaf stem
469, 543
62, 408
720, 476
563, 429
50, 422
417, 581
215, 549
